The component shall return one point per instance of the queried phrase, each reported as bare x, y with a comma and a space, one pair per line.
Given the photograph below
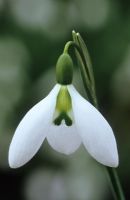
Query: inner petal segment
63, 110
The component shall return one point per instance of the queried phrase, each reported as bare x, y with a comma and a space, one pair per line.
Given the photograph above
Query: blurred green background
32, 36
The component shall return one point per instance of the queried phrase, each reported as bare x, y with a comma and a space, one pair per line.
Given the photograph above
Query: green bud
64, 69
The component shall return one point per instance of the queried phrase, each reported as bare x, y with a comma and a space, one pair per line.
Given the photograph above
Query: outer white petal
94, 130
64, 139
32, 130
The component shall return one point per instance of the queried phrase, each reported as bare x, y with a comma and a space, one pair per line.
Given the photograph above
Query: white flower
66, 119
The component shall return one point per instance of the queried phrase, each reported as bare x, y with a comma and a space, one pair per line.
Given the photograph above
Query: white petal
94, 130
32, 130
64, 139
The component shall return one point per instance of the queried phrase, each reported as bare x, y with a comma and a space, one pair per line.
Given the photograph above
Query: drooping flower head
66, 120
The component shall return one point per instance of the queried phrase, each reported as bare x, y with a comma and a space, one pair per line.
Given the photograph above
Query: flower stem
116, 185
71, 44
67, 46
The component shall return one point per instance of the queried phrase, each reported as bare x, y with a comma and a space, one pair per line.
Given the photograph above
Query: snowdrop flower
66, 119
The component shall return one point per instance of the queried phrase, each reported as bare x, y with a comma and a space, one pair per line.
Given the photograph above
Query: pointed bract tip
73, 31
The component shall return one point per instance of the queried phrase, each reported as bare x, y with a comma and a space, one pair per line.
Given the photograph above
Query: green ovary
63, 107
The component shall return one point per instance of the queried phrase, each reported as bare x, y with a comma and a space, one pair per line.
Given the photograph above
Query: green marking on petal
63, 116
63, 107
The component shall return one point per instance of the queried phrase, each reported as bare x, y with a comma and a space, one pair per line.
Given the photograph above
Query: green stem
89, 83
68, 45
72, 44
116, 185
